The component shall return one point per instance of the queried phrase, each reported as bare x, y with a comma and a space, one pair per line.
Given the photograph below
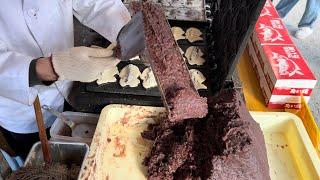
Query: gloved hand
83, 64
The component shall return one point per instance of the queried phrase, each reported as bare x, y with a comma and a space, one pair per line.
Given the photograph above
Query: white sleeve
107, 17
14, 76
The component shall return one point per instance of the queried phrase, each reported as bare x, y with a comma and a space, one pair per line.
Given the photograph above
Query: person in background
37, 58
308, 19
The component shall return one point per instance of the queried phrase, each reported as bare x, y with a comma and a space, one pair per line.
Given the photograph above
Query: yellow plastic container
309, 123
255, 100
290, 151
118, 150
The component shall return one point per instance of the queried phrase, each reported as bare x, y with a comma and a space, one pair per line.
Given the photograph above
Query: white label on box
287, 99
296, 83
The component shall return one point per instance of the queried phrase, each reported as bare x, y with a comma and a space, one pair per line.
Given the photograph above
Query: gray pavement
310, 48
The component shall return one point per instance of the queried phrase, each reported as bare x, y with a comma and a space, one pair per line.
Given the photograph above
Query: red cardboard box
268, 11
269, 29
275, 97
264, 87
286, 67
271, 32
282, 72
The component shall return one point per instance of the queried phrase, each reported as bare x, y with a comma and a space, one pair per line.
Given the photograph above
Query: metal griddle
115, 88
91, 97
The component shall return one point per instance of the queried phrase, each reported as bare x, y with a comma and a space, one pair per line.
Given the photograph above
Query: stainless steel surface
181, 3
186, 10
131, 37
59, 131
185, 14
61, 152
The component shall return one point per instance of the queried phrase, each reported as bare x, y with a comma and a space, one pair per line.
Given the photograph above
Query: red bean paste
169, 67
227, 144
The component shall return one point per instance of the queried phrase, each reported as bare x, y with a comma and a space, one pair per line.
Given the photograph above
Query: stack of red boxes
282, 71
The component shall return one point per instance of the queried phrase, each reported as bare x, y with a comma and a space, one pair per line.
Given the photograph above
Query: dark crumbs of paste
52, 172
169, 67
227, 144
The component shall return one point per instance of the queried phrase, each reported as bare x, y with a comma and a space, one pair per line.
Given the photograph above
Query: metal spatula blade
59, 115
131, 37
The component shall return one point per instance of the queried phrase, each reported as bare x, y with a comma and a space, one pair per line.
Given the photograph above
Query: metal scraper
131, 37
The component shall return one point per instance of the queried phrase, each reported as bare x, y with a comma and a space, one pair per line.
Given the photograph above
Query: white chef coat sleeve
14, 76
107, 17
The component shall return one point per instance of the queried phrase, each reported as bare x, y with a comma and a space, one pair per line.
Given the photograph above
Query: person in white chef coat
37, 57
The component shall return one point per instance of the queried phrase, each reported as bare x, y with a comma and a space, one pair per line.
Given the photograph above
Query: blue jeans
309, 16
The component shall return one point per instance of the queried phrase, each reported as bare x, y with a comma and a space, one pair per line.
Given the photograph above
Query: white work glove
83, 64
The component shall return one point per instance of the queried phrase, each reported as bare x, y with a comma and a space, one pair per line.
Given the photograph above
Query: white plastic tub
59, 131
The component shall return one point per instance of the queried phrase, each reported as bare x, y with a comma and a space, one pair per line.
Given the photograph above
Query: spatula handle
42, 131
